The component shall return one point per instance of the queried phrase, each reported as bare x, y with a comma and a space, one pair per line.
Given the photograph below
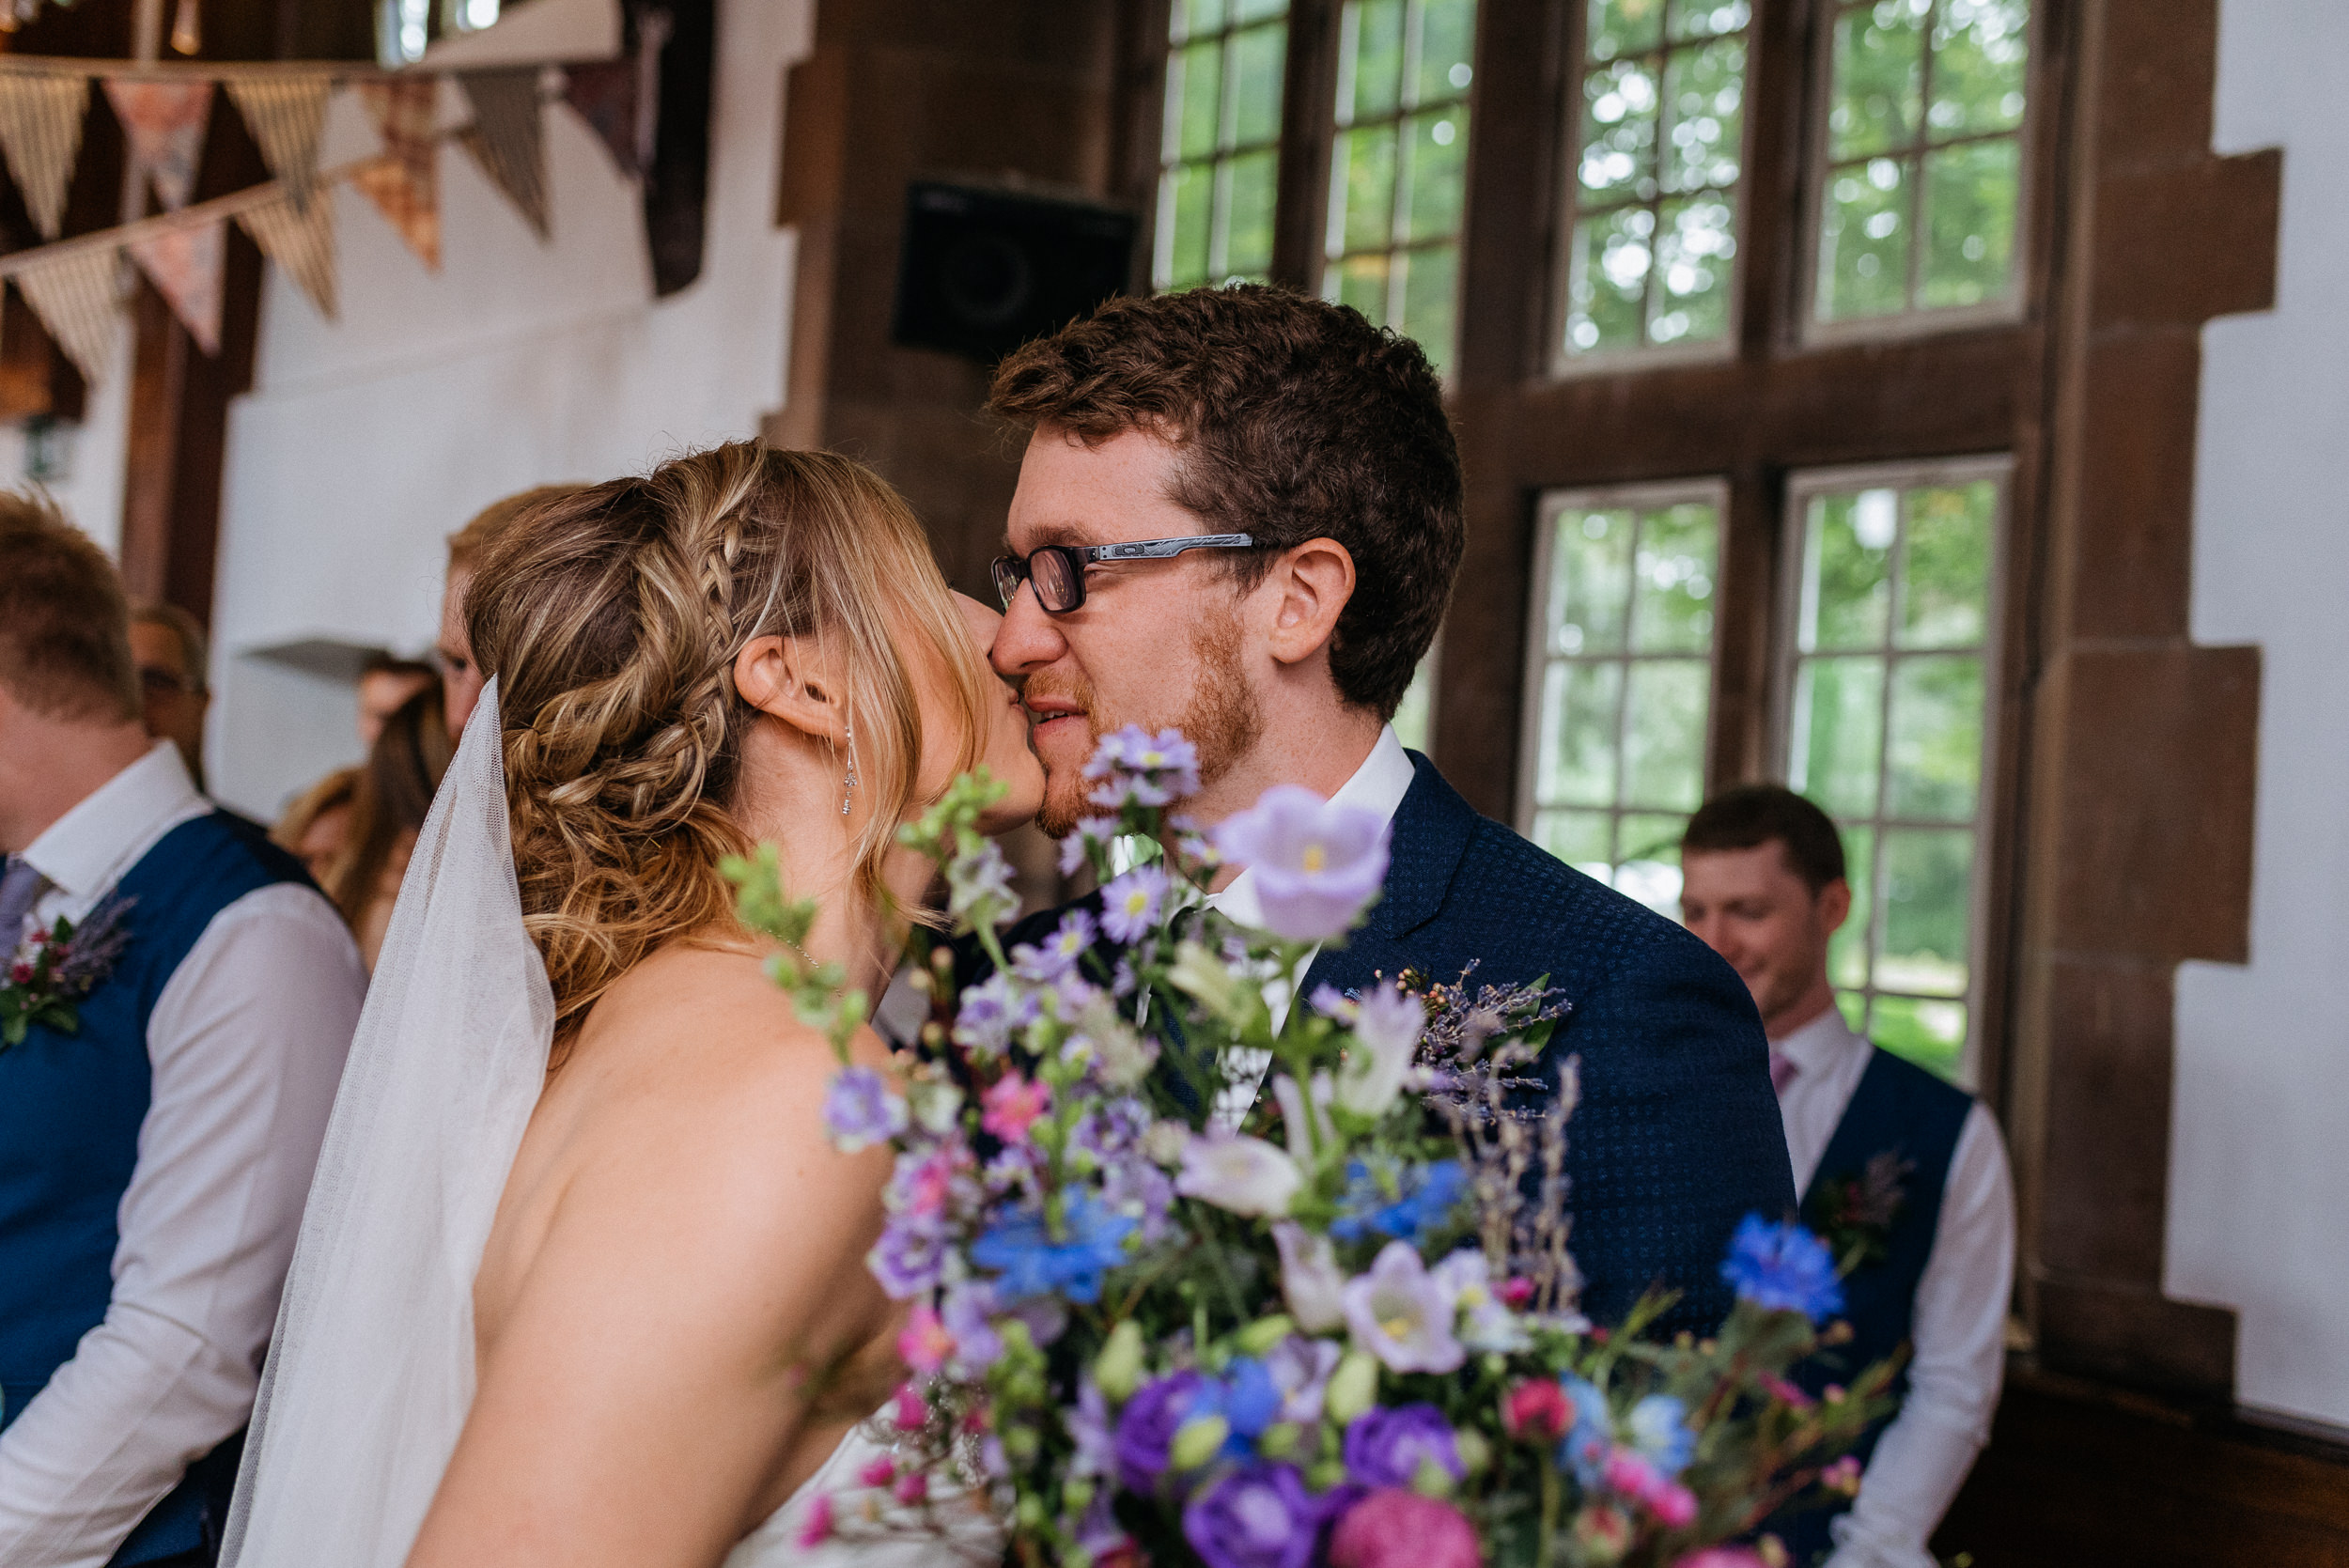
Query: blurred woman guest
383, 685
318, 825
395, 791
168, 645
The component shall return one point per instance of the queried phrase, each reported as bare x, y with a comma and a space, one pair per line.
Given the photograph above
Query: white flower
1487, 1324
1311, 1281
1245, 1175
1164, 1142
1387, 1026
1294, 1112
1402, 1314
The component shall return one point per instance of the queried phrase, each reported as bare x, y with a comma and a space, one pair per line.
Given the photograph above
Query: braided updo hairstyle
612, 616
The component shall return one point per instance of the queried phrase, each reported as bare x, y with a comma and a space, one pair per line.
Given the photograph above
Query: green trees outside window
1887, 677
1220, 148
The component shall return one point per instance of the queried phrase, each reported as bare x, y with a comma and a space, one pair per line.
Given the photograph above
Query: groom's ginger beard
1222, 719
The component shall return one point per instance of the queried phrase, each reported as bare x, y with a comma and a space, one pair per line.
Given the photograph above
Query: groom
1309, 455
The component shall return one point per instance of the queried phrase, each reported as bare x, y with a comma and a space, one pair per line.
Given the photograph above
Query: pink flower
924, 1343
21, 974
912, 1487
1013, 1105
880, 1472
1629, 1474
1674, 1505
908, 1412
1786, 1393
1515, 1294
1393, 1528
817, 1529
1537, 1411
1842, 1476
1723, 1557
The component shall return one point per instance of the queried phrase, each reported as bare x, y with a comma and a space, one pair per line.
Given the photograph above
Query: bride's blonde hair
612, 618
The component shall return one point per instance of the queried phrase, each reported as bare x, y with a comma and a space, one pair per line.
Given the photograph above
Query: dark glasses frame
1057, 572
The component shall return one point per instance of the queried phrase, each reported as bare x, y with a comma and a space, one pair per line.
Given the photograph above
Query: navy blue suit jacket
1677, 1136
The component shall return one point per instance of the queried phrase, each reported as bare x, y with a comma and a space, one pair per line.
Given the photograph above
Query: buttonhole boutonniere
1854, 1214
53, 969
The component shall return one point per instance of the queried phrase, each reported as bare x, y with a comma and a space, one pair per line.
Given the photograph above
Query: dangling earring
849, 794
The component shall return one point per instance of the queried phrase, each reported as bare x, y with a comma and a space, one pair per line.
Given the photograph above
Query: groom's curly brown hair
1296, 420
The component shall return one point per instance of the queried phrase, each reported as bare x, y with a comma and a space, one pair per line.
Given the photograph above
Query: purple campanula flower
1385, 1447
1130, 905
1147, 1427
1402, 1314
860, 1110
1257, 1516
968, 1312
910, 1256
1300, 1369
1783, 1267
1088, 1423
1317, 864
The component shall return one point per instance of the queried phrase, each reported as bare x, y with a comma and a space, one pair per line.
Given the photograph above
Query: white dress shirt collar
1377, 786
90, 847
1821, 1043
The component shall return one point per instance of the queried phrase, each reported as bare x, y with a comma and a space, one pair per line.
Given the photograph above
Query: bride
581, 1280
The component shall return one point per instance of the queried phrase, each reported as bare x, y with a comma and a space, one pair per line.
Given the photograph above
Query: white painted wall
365, 441
2259, 1168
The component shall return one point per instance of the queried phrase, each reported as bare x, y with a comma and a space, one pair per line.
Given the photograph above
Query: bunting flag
299, 237
404, 184
506, 138
605, 95
185, 266
284, 114
78, 298
40, 132
164, 122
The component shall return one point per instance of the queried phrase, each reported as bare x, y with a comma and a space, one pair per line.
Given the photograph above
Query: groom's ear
782, 677
1309, 584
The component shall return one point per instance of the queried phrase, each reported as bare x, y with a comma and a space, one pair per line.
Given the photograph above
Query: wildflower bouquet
1154, 1317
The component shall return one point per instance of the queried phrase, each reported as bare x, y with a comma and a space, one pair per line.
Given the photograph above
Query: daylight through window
1219, 149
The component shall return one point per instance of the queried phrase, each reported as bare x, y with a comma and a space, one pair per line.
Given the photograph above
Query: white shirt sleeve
1959, 1333
246, 1042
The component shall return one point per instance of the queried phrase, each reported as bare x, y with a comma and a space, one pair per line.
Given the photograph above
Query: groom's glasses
1057, 572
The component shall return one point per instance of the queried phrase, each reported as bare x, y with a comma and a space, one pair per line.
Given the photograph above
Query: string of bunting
74, 285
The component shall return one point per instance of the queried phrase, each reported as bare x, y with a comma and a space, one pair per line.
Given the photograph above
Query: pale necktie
19, 888
1782, 1069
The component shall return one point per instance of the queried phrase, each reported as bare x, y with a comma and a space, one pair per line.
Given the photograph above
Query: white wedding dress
371, 1370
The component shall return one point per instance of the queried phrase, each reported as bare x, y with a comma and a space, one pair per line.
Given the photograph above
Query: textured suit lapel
1431, 832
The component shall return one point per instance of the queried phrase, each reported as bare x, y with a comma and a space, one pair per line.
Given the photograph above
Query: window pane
1579, 702
1201, 67
1855, 1010
1673, 604
1945, 568
1590, 581
1695, 259
1846, 570
1863, 240
1185, 207
1256, 63
1970, 193
1607, 285
1647, 859
1248, 243
1928, 873
1362, 283
1374, 69
1664, 734
1431, 286
1838, 726
1192, 18
1583, 839
1979, 49
1930, 1033
1414, 721
1697, 17
1447, 50
1619, 129
1933, 764
1848, 950
1244, 11
1620, 25
1879, 78
1705, 97
1438, 174
1365, 177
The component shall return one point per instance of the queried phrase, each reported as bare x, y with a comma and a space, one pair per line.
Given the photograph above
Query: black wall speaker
982, 271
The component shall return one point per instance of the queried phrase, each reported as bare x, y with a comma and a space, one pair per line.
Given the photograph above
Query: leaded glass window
1220, 146
1921, 184
1621, 661
1650, 256
1887, 677
1398, 173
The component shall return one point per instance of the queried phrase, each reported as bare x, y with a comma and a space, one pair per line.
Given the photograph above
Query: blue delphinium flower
1592, 1437
1659, 1430
1418, 1211
1030, 1263
1251, 1398
1783, 1268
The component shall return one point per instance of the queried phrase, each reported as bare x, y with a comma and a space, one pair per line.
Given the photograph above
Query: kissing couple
579, 1232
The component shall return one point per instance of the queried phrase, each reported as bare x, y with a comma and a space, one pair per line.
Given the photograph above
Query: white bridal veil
371, 1372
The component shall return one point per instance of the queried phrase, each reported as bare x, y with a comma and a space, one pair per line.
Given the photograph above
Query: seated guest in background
465, 547
383, 685
316, 826
1891, 1161
394, 793
169, 648
160, 1115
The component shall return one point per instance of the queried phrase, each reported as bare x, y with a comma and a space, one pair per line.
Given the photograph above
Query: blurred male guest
1892, 1163
465, 549
383, 686
162, 1109
168, 647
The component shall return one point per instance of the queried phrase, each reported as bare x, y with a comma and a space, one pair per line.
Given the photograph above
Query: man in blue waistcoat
1898, 1169
176, 1000
1239, 514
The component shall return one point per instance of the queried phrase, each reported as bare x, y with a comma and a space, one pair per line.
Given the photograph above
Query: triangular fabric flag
40, 130
506, 138
301, 239
404, 184
605, 95
284, 114
78, 298
184, 264
164, 122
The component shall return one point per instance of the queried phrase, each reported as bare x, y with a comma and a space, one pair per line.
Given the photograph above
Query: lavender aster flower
1129, 906
1386, 1447
1147, 1424
1402, 1314
1258, 1517
1056, 956
860, 1110
991, 1014
1142, 768
1090, 833
1317, 864
1783, 1268
978, 887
